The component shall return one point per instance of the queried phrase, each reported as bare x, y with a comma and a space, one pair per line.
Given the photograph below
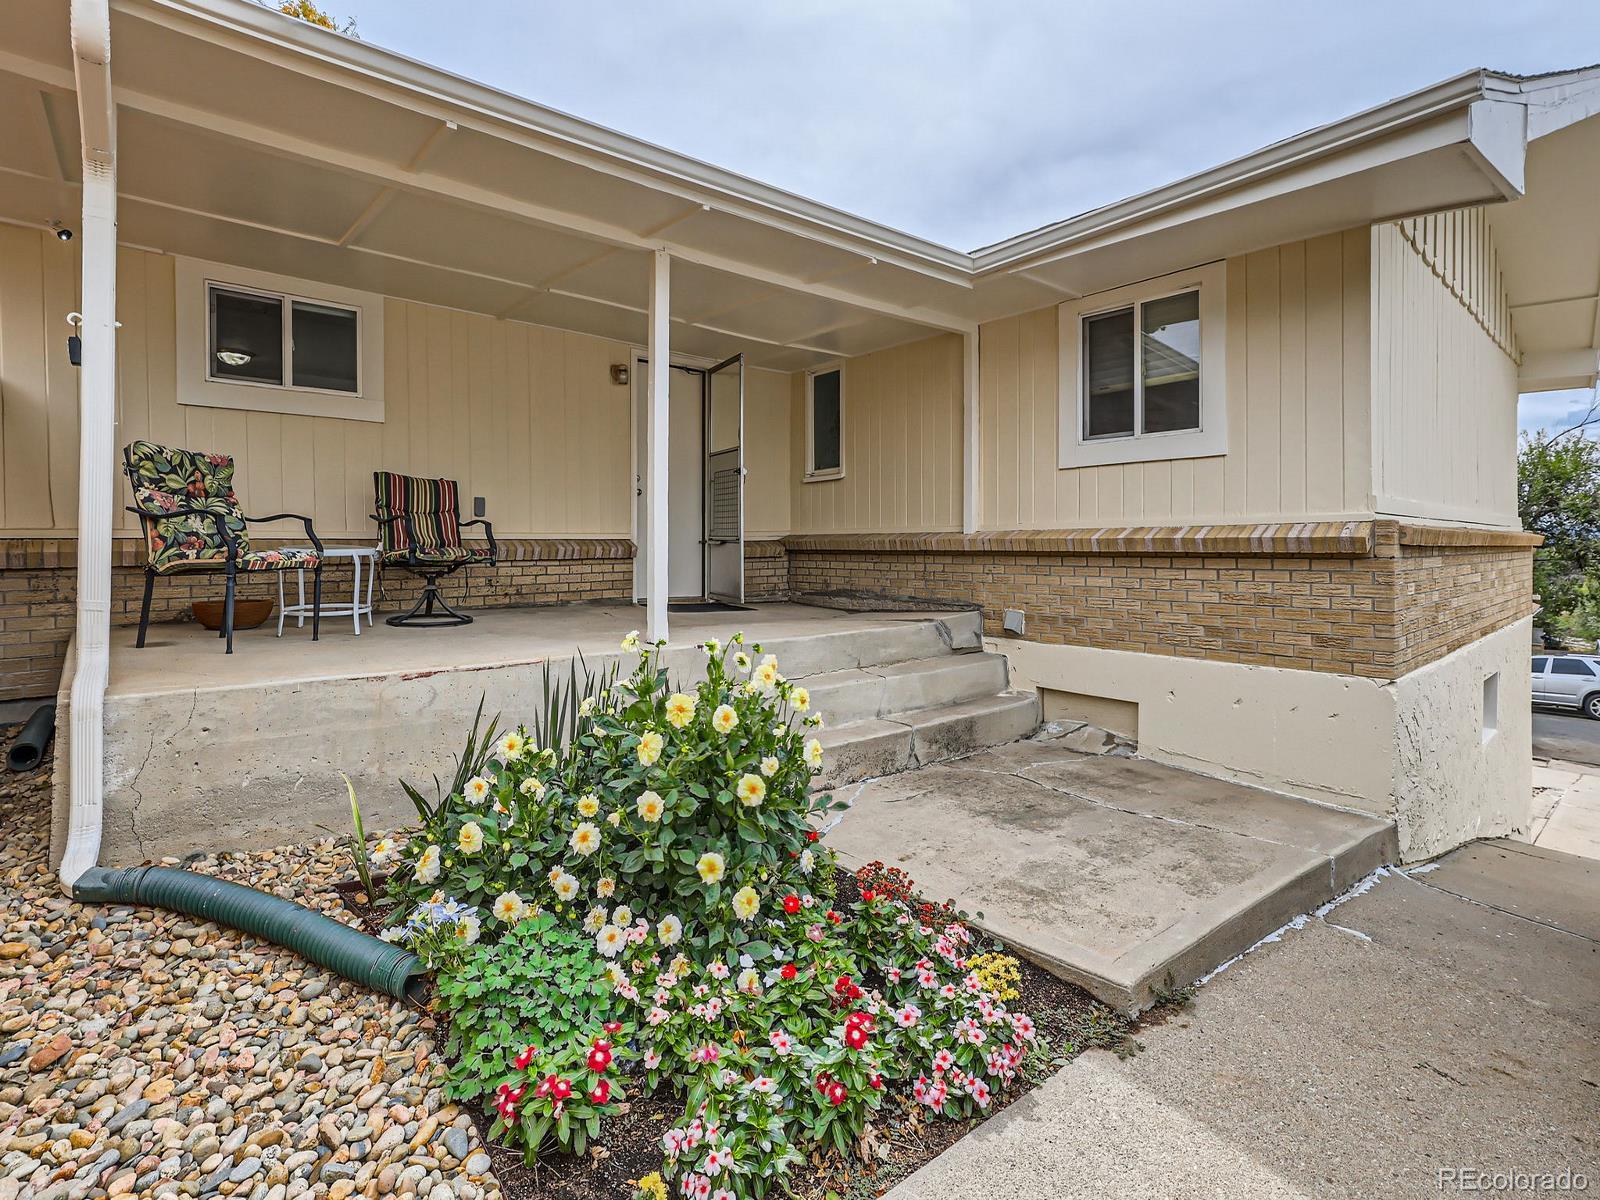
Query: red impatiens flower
561, 1089
837, 1094
791, 904
876, 1081
834, 917
868, 896
599, 1056
522, 1060
601, 1092
855, 1036
788, 971
845, 988
812, 835
612, 1027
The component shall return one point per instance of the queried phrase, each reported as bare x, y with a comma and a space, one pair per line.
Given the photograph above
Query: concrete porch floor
1125, 876
185, 657
211, 751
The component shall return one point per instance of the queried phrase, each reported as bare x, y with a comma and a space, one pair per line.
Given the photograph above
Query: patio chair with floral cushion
192, 523
419, 529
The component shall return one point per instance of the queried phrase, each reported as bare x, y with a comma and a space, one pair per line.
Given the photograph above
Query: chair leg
144, 608
316, 602
227, 611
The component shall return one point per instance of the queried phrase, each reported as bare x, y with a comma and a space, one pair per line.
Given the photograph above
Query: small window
825, 424
1491, 707
1572, 666
1136, 387
1539, 665
317, 348
1143, 371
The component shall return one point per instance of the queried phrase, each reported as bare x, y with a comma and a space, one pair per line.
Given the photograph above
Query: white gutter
97, 118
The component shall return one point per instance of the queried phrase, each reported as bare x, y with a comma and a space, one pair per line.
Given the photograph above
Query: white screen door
724, 481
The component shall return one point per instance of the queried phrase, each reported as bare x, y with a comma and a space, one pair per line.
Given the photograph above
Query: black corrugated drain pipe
356, 956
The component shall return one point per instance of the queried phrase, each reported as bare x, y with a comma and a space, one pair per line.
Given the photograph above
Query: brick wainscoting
38, 580
1372, 598
766, 571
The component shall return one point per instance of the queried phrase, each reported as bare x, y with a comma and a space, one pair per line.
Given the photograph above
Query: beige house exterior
1321, 587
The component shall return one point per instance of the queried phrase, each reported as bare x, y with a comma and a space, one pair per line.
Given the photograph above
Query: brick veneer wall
38, 583
766, 571
1375, 598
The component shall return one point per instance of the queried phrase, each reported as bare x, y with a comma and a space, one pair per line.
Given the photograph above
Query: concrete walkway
1441, 1020
1566, 808
1123, 875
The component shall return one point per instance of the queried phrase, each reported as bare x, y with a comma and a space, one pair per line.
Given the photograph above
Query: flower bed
631, 900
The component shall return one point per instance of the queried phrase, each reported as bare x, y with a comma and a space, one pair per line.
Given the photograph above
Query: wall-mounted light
61, 231
234, 358
620, 374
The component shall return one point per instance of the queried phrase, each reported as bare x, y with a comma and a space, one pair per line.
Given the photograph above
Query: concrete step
896, 639
1129, 877
885, 745
860, 694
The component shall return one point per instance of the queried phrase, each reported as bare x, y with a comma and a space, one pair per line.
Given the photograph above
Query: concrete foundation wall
1411, 750
1453, 780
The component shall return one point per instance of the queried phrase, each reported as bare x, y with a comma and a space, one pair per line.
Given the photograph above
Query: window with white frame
1142, 373
282, 341
255, 341
825, 423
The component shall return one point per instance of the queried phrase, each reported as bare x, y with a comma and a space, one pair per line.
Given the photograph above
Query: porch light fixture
619, 374
61, 231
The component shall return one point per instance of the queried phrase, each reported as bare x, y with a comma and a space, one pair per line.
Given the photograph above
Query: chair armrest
411, 530
304, 520
488, 529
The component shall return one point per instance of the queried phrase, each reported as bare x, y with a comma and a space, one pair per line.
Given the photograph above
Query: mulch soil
904, 1137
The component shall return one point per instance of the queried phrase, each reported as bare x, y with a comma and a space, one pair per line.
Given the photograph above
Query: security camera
62, 231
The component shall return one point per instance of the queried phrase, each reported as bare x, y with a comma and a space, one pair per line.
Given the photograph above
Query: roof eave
1451, 96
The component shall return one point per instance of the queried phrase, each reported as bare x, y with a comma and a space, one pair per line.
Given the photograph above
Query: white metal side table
358, 607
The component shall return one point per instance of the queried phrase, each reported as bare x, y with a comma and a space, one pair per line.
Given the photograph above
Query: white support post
97, 382
971, 443
657, 408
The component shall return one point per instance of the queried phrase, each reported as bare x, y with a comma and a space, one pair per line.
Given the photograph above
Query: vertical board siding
1445, 374
902, 445
525, 416
1298, 397
38, 384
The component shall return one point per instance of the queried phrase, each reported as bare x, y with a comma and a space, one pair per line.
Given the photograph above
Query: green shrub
539, 985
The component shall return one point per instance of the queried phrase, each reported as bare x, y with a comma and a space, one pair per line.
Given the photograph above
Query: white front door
685, 459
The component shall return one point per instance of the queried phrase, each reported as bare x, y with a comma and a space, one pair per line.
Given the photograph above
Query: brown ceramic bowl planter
247, 614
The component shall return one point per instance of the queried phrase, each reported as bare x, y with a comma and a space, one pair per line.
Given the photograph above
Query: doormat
693, 606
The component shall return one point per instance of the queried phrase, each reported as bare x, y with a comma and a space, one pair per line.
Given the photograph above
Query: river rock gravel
145, 1053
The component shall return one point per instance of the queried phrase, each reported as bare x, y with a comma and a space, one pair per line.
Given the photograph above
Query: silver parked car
1568, 681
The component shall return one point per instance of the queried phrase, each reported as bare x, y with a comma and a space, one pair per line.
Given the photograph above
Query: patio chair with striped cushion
419, 529
192, 522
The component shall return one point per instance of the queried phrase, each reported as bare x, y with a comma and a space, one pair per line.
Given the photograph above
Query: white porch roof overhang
252, 138
249, 138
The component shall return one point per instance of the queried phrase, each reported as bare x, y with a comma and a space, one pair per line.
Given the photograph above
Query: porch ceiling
236, 149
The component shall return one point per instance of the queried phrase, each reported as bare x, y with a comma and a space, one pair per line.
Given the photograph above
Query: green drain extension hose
348, 952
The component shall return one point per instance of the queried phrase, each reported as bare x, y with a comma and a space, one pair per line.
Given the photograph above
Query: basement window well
1491, 707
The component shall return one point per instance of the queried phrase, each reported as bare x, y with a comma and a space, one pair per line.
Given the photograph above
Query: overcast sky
970, 122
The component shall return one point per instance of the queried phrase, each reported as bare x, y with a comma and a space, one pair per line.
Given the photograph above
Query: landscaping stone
145, 1053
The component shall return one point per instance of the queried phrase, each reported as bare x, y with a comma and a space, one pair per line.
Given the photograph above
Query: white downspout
657, 408
97, 118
